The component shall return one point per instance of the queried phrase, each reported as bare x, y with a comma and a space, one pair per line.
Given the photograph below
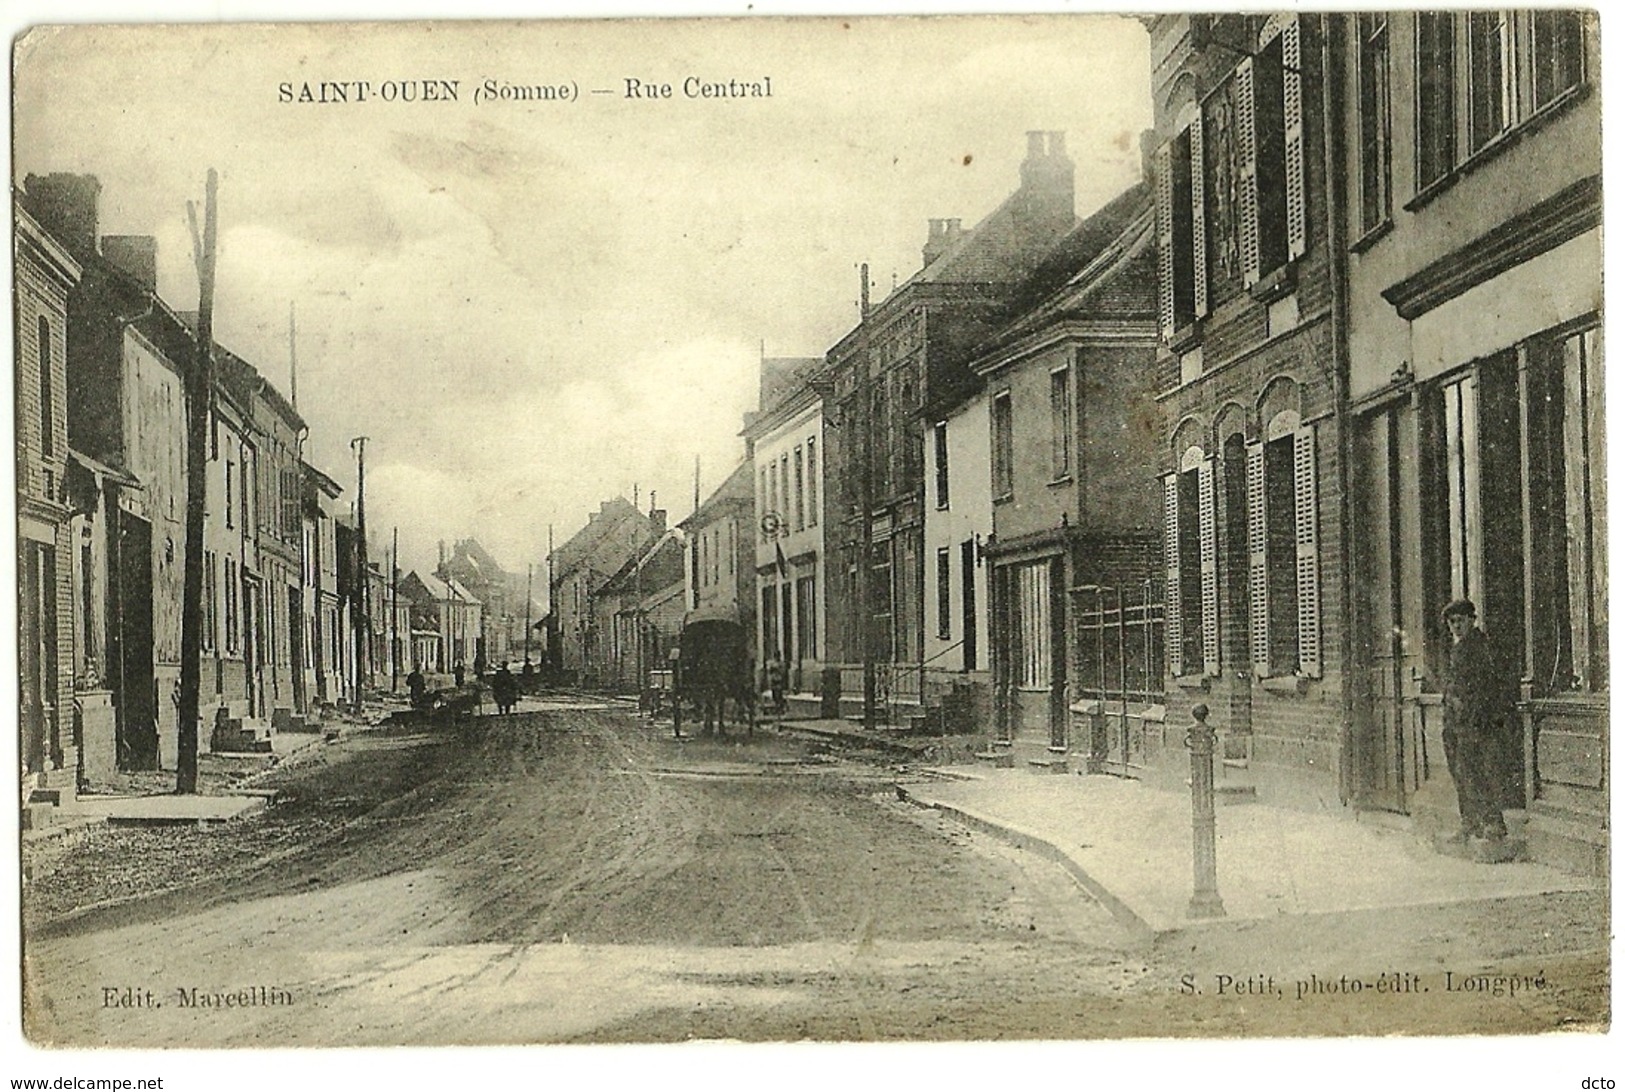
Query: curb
1026, 839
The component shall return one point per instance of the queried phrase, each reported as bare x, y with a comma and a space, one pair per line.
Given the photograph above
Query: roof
737, 489
1104, 269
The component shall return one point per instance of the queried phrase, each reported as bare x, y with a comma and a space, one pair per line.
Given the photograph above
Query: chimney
657, 521
940, 235
136, 255
1048, 203
66, 206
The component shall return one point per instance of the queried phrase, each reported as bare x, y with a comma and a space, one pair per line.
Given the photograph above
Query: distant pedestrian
416, 684
776, 683
1479, 717
458, 674
505, 690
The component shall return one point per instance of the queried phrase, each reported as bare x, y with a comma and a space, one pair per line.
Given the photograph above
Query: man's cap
1460, 607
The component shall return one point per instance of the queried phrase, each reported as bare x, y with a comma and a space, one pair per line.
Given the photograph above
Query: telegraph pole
394, 610
198, 407
530, 572
866, 624
363, 620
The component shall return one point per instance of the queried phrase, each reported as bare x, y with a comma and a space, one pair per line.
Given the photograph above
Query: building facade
1472, 228
909, 351
1250, 385
1068, 385
788, 559
45, 276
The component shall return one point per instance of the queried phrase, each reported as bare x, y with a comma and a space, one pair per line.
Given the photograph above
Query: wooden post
199, 399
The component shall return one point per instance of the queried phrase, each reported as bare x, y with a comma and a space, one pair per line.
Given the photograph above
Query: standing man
1477, 714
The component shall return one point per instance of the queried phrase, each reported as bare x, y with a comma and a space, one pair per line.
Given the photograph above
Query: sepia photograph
800, 528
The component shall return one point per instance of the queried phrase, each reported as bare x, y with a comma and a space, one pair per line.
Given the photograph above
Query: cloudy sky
530, 307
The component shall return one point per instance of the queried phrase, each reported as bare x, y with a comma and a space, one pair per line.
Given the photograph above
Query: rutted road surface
573, 874
562, 874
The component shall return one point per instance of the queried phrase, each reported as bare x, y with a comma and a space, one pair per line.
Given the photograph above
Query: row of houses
101, 446
1235, 438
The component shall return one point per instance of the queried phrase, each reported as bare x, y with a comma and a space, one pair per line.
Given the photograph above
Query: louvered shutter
1297, 231
1165, 242
1207, 520
1247, 171
1199, 215
1173, 625
1304, 497
1258, 575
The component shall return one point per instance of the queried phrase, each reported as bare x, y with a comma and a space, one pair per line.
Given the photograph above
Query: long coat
1480, 712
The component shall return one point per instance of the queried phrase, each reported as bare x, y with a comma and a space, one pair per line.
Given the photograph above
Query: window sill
1064, 479
1192, 682
1285, 684
1186, 337
1371, 238
1004, 498
1499, 144
1276, 284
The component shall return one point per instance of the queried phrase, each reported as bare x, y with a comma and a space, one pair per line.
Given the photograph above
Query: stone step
1002, 758
38, 816
1055, 765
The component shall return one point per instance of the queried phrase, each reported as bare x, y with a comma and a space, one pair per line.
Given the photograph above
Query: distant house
46, 274
643, 605
126, 352
325, 625
614, 533
719, 539
446, 623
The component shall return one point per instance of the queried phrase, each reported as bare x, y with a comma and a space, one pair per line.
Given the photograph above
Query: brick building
910, 350
578, 568
1249, 385
45, 276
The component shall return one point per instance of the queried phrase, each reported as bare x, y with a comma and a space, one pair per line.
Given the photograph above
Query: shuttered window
1376, 145
1284, 554
1271, 157
1181, 231
1033, 624
1192, 558
812, 481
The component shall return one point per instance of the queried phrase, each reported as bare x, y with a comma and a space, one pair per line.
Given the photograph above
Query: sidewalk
1129, 845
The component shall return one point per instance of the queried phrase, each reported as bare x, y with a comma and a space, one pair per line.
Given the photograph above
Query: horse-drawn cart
713, 668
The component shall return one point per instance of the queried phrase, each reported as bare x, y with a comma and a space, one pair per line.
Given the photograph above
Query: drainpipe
1332, 75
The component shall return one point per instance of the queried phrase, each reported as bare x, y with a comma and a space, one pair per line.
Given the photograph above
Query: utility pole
394, 610
198, 408
554, 656
530, 572
293, 362
363, 619
865, 562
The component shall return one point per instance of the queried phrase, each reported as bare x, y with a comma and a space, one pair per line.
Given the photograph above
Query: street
572, 873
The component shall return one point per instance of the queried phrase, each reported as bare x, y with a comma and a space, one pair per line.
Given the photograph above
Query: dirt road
573, 874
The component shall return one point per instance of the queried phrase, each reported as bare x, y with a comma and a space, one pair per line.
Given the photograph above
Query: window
1180, 220
945, 620
801, 492
939, 438
1283, 551
807, 616
773, 489
231, 472
1060, 419
784, 489
211, 601
1376, 151
812, 481
245, 490
1569, 559
1435, 96
1003, 447
1191, 551
770, 622
764, 502
1033, 626
1482, 74
1556, 45
47, 404
1490, 85
231, 605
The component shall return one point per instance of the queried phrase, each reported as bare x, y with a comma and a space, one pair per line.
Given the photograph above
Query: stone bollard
1205, 901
